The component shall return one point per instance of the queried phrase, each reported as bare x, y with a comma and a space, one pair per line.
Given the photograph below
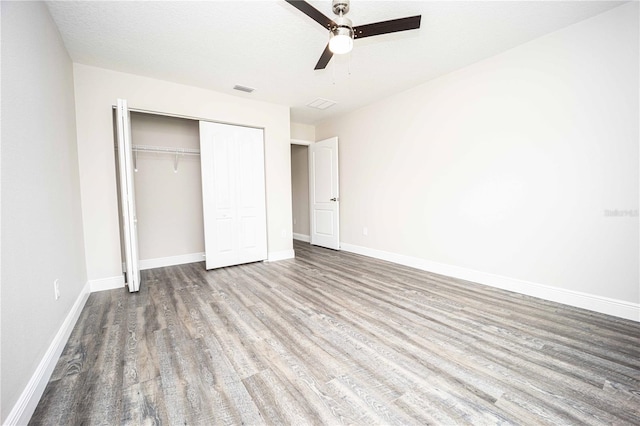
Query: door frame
301, 142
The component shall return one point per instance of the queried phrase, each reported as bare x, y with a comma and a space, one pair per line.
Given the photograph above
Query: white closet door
324, 197
233, 194
127, 195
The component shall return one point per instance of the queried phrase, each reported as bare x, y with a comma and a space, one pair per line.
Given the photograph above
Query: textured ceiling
273, 47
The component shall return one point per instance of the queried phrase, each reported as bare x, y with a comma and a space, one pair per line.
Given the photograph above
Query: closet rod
166, 150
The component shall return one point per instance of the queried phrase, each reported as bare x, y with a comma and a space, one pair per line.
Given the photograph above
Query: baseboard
275, 256
161, 262
301, 237
103, 284
28, 400
605, 305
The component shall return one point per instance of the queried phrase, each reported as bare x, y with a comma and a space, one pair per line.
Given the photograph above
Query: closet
189, 189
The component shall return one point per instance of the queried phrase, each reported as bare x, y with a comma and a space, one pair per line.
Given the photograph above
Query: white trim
275, 256
593, 302
103, 284
301, 237
161, 262
28, 401
300, 142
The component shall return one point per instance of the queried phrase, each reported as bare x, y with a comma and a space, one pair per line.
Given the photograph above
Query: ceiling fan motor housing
343, 23
340, 7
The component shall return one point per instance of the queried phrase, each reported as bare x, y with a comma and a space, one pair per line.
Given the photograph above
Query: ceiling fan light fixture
341, 37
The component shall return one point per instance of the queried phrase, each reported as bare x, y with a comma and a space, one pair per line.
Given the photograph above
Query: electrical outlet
365, 231
56, 289
294, 221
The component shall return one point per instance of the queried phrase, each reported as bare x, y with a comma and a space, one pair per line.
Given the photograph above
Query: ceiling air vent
243, 88
321, 103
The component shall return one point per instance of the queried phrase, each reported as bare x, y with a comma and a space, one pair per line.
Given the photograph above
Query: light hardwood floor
333, 338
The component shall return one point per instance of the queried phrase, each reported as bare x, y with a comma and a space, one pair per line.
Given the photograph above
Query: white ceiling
273, 47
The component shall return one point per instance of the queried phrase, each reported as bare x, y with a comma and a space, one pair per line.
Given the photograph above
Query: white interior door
324, 196
127, 195
233, 194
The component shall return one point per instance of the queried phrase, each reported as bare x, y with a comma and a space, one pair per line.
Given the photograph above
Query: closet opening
168, 190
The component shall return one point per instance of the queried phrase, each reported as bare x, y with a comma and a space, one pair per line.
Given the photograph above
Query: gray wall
508, 166
42, 238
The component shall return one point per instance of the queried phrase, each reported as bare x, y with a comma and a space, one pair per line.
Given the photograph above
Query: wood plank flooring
337, 338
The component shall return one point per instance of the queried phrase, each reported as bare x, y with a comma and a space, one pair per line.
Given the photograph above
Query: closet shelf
165, 150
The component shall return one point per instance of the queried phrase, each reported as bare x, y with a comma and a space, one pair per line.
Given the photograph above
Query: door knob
333, 199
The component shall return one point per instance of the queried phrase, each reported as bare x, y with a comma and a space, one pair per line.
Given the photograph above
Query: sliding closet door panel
127, 193
233, 192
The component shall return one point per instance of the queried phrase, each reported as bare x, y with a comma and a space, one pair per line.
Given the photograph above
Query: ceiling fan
342, 32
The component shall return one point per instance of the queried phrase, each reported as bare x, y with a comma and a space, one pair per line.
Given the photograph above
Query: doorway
315, 192
300, 191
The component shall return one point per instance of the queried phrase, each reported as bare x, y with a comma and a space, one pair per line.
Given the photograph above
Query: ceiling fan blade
324, 59
386, 27
312, 13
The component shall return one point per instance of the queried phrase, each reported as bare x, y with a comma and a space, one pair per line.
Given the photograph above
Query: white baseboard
103, 284
301, 237
274, 256
161, 262
28, 401
605, 305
